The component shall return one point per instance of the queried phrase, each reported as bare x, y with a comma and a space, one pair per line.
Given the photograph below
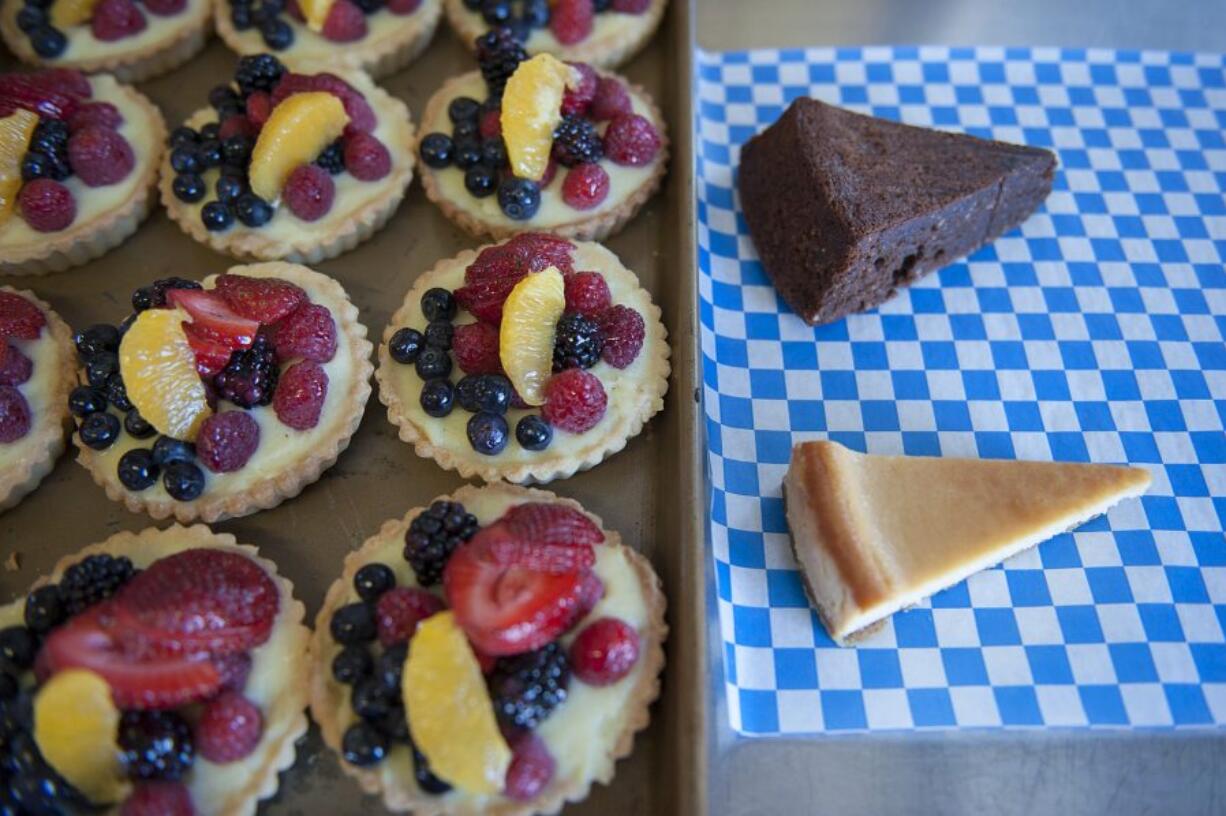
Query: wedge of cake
876, 534
845, 208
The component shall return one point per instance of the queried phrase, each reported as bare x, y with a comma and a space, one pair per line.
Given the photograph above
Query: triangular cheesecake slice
876, 534
845, 208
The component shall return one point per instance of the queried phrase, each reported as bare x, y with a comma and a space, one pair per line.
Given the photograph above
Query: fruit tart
133, 40
78, 162
449, 693
601, 32
288, 166
114, 697
524, 361
539, 144
217, 400
377, 36
36, 373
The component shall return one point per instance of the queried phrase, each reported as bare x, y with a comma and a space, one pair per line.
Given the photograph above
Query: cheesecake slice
876, 534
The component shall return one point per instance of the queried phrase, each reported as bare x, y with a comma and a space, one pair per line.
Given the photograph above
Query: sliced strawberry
63, 80
19, 317
211, 355
508, 548
41, 97
266, 300
590, 594
547, 523
213, 318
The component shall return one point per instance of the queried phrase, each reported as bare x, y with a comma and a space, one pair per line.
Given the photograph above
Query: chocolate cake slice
845, 208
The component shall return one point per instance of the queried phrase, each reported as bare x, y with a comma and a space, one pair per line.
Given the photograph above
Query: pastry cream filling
610, 25
579, 732
95, 202
159, 29
553, 212
39, 390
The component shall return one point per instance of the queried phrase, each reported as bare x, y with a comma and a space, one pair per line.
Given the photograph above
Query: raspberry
604, 652
116, 19
345, 22
229, 728
575, 401
491, 277
538, 251
475, 346
309, 192
400, 609
549, 523
14, 414
227, 440
165, 8
361, 115
403, 7
19, 317
46, 205
95, 114
15, 367
631, 6
259, 108
366, 158
572, 20
623, 331
309, 332
576, 102
237, 125
611, 100
587, 293
234, 669
301, 394
631, 140
531, 769
265, 300
100, 156
158, 798
585, 186
491, 124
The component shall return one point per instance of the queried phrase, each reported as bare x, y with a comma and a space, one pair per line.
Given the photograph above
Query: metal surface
961, 772
648, 491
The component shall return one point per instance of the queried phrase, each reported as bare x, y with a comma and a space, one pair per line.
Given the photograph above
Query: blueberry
117, 393
437, 150
405, 345
237, 149
519, 28
519, 198
142, 298
209, 131
370, 699
438, 304
252, 210
137, 426
48, 42
433, 363
496, 12
185, 159
167, 449
240, 16
184, 481
437, 397
137, 470
362, 745
373, 580
463, 109
238, 171
100, 367
229, 188
183, 136
481, 181
17, 646
369, 7
126, 324
389, 666
467, 153
353, 623
34, 165
83, 401
96, 338
395, 726
44, 610
465, 129
601, 6
99, 431
216, 216
487, 433
221, 95
30, 18
536, 13
277, 34
533, 433
8, 690
494, 152
472, 5
209, 153
351, 664
439, 334
492, 394
466, 392
188, 187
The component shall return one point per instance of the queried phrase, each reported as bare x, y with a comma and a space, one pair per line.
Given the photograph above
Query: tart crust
584, 227
314, 245
86, 240
311, 463
384, 58
285, 724
635, 716
650, 394
22, 476
608, 51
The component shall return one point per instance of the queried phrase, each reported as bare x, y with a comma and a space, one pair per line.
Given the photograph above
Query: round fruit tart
36, 373
78, 161
377, 36
538, 144
548, 341
134, 40
601, 32
157, 673
217, 401
495, 652
296, 167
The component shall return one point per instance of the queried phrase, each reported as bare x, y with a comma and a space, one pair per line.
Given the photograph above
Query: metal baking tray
650, 492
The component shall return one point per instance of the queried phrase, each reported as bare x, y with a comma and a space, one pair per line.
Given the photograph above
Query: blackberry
575, 142
527, 688
434, 535
156, 744
250, 377
154, 295
93, 579
258, 72
332, 158
499, 54
577, 342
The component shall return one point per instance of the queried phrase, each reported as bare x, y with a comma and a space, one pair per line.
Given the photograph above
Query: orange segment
75, 726
531, 111
296, 133
159, 371
15, 133
316, 12
450, 714
66, 13
525, 339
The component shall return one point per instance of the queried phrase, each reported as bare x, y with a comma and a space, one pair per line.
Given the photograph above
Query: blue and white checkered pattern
1095, 333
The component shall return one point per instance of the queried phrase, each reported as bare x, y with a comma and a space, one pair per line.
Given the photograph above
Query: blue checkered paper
1096, 333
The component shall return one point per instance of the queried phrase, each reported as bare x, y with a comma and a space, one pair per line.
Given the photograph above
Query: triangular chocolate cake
845, 208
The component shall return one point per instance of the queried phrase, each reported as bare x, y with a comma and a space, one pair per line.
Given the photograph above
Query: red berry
475, 346
227, 440
537, 251
19, 317
15, 367
572, 20
63, 80
158, 798
116, 19
400, 609
294, 10
259, 108
237, 125
345, 22
46, 205
590, 593
165, 8
96, 114
631, 140
14, 414
575, 401
234, 669
265, 300
585, 186
587, 293
531, 769
309, 191
403, 7
39, 93
611, 100
604, 652
552, 523
361, 115
366, 158
508, 548
309, 332
491, 277
100, 156
300, 395
491, 123
229, 728
623, 331
575, 102
631, 6
551, 170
